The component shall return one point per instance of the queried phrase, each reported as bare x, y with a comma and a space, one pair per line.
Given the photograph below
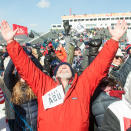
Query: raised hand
7, 33
60, 45
119, 30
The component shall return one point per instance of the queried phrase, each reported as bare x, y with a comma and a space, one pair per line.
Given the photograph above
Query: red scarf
116, 93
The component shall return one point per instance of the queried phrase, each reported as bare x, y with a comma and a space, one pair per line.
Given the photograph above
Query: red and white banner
22, 30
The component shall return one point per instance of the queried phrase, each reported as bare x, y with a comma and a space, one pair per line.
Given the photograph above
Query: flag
22, 30
2, 100
127, 123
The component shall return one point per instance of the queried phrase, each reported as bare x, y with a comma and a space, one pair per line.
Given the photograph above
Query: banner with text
22, 30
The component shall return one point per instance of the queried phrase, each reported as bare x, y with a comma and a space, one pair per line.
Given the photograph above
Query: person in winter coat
94, 45
112, 120
121, 74
23, 101
63, 105
10, 114
61, 53
76, 64
117, 61
89, 53
118, 115
108, 94
69, 47
49, 59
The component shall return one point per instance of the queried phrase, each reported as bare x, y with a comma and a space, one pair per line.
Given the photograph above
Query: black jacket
26, 111
100, 105
110, 122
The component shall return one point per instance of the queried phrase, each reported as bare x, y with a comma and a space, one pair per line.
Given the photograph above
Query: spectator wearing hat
77, 51
61, 53
49, 49
117, 117
117, 61
121, 74
76, 64
63, 105
128, 49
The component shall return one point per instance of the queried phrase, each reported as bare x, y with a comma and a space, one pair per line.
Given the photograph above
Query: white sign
54, 97
82, 47
80, 28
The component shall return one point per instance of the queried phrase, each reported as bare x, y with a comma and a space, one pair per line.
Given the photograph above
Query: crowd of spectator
90, 67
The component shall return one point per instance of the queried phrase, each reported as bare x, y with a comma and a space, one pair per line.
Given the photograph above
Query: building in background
57, 27
97, 20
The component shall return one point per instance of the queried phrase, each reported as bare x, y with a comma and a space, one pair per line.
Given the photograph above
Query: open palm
119, 30
7, 33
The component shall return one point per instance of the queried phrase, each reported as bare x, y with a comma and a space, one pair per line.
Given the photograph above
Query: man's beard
65, 75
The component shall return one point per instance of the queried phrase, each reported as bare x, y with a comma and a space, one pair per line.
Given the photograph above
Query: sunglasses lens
117, 57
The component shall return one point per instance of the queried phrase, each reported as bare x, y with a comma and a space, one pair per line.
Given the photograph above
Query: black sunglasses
117, 57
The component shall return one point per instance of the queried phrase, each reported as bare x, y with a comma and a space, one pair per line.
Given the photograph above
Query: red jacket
61, 54
73, 114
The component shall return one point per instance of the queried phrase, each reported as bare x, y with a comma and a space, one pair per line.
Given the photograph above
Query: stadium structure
97, 20
87, 21
94, 20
